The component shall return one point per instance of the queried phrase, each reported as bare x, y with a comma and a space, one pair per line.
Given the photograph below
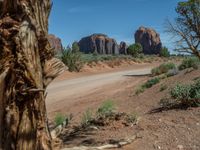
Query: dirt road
63, 92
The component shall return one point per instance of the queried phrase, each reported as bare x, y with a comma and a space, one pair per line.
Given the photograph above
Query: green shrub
106, 109
191, 62
75, 47
147, 85
59, 119
163, 68
164, 52
89, 58
86, 118
151, 82
196, 78
135, 49
187, 95
72, 60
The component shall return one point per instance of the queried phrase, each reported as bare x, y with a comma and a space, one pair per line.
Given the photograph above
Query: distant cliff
55, 43
149, 39
98, 43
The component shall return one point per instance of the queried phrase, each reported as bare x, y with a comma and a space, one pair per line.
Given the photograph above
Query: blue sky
73, 19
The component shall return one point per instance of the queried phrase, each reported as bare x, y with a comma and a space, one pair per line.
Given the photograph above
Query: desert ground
74, 93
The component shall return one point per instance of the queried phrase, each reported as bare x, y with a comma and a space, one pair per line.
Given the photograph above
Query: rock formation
55, 43
98, 43
149, 39
123, 48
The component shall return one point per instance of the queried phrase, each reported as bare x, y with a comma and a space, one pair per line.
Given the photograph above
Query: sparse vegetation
132, 118
89, 58
183, 95
164, 52
72, 59
172, 72
196, 78
59, 119
163, 87
147, 85
163, 68
139, 90
87, 117
151, 82
135, 49
106, 109
75, 47
191, 62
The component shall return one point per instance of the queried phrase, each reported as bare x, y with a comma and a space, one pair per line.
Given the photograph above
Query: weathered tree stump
27, 66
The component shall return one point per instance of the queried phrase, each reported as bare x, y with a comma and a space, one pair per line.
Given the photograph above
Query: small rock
93, 128
198, 124
180, 147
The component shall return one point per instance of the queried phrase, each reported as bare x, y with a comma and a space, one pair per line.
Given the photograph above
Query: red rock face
98, 43
55, 43
123, 48
149, 39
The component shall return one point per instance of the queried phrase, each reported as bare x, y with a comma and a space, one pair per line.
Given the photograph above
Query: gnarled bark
27, 67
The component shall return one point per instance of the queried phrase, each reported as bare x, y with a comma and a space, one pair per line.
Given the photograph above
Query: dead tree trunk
27, 66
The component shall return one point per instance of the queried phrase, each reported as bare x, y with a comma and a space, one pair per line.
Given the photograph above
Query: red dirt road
67, 92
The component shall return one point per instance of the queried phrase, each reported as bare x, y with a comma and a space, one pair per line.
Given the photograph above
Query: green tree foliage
186, 29
75, 47
164, 52
135, 49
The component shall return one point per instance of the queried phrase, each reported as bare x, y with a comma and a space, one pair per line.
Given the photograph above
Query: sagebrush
191, 62
106, 109
59, 119
163, 68
147, 85
184, 95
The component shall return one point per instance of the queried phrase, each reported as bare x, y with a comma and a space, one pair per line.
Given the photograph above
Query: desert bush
163, 87
72, 60
186, 95
191, 62
167, 103
164, 52
89, 58
151, 82
75, 47
139, 90
87, 117
147, 85
172, 72
59, 119
132, 118
196, 78
135, 49
163, 68
106, 109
